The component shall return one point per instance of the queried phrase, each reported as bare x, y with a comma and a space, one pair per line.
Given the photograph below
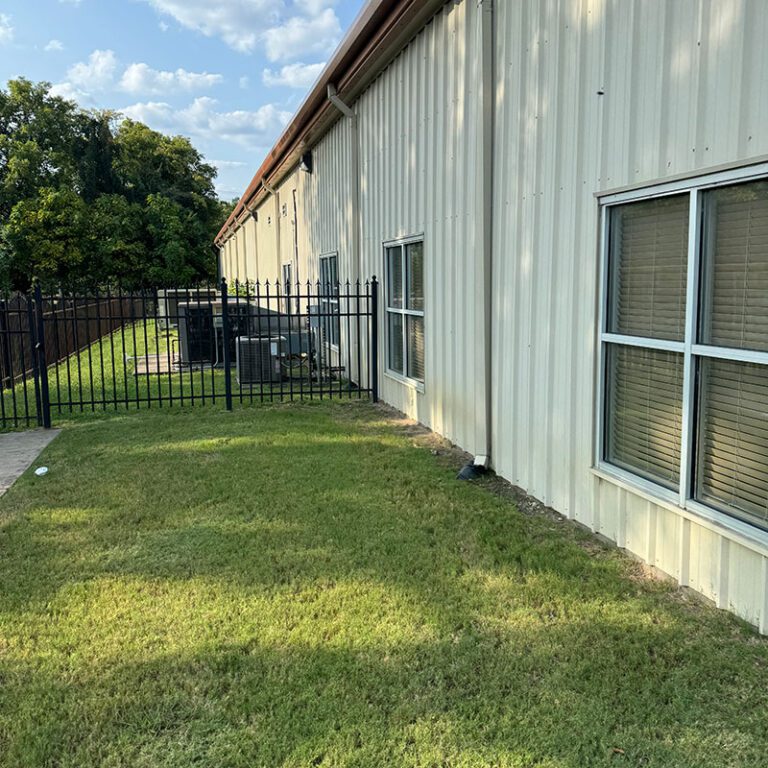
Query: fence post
42, 361
374, 339
6, 381
225, 333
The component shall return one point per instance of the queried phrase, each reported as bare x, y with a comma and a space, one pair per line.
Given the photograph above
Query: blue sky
226, 73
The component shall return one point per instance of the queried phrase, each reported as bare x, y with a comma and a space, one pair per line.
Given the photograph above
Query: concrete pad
18, 450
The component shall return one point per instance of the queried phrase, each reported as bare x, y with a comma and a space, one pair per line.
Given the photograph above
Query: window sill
732, 528
408, 382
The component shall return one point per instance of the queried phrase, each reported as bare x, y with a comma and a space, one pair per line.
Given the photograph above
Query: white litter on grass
40, 471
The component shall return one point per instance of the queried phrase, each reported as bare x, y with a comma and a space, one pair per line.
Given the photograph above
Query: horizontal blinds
733, 437
649, 253
736, 273
395, 341
395, 277
644, 412
415, 270
415, 334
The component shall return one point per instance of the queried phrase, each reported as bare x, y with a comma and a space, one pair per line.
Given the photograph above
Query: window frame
287, 284
330, 300
402, 243
693, 351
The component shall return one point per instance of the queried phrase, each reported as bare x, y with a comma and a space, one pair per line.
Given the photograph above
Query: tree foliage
90, 198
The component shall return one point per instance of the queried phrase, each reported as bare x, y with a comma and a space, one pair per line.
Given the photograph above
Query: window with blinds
715, 378
735, 301
649, 258
645, 389
329, 299
732, 469
404, 263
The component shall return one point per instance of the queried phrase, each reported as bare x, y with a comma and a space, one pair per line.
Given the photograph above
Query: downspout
296, 276
488, 53
484, 237
351, 115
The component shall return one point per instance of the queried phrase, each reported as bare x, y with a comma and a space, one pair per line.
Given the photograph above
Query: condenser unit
168, 301
258, 359
201, 330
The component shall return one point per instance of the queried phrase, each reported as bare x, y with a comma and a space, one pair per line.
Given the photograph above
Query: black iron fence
62, 355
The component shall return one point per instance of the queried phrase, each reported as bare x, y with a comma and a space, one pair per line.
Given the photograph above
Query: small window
404, 265
287, 283
663, 369
329, 301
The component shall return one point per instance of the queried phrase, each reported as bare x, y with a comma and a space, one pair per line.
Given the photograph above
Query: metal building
567, 204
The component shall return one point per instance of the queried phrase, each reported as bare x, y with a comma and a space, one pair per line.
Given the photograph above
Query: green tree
48, 237
91, 198
38, 133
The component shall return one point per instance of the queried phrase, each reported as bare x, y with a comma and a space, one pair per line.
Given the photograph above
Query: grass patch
304, 585
136, 368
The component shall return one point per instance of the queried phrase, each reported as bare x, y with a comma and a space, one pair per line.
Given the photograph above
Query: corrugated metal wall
327, 195
419, 126
590, 95
684, 90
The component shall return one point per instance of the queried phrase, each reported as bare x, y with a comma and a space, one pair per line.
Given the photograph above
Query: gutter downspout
350, 114
487, 53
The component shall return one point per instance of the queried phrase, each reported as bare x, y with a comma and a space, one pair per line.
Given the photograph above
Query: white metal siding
419, 132
684, 90
328, 202
590, 95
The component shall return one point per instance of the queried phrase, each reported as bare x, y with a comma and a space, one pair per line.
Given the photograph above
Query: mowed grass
135, 368
306, 585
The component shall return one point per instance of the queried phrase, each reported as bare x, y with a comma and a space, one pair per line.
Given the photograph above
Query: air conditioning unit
201, 330
258, 359
168, 301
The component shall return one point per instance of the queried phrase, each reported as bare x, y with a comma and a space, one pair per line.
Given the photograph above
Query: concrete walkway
17, 452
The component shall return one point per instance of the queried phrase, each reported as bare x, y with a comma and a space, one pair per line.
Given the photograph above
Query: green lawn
305, 585
104, 378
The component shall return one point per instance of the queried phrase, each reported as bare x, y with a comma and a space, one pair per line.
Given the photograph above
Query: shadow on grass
286, 587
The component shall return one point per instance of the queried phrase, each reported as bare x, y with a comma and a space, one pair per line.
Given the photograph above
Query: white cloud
96, 74
228, 163
101, 72
141, 78
237, 22
245, 82
294, 75
313, 7
54, 45
285, 31
163, 26
6, 30
303, 35
201, 120
70, 92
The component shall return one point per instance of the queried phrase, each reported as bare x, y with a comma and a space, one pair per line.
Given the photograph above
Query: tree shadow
296, 588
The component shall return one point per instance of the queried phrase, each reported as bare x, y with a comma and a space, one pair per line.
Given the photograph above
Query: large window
329, 298
685, 343
404, 264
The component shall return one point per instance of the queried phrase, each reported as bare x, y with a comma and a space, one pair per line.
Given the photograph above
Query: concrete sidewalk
18, 450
